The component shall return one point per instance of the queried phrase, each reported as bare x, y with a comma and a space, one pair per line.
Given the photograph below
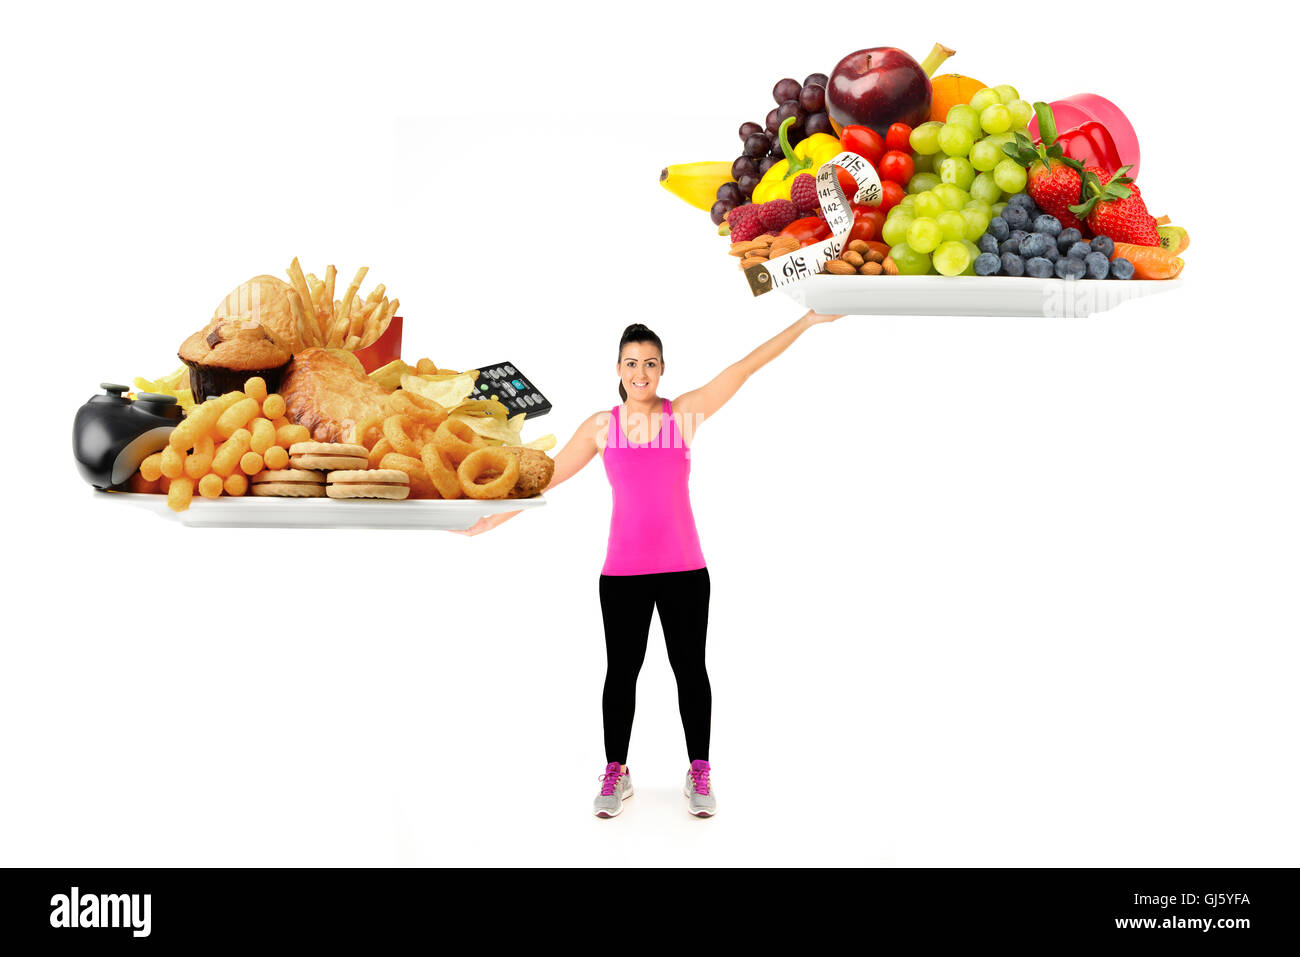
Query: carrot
1149, 262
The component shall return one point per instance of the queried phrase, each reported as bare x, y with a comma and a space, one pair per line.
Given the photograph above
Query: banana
697, 183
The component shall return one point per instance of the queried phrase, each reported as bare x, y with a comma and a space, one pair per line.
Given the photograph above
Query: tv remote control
503, 382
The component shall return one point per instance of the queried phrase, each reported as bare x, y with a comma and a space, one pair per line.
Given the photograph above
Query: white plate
248, 511
971, 295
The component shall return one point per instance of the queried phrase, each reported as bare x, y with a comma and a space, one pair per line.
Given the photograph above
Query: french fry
299, 283
327, 301
306, 329
350, 295
372, 300
352, 343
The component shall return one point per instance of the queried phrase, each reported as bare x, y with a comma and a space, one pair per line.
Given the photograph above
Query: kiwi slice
1173, 238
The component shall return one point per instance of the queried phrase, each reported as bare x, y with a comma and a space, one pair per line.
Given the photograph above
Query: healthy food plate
971, 296
248, 511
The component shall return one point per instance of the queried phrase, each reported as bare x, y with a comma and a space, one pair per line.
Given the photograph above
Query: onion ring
417, 408
457, 439
402, 435
421, 487
495, 462
382, 448
441, 471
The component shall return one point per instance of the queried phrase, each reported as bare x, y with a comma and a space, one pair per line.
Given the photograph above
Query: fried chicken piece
327, 394
535, 471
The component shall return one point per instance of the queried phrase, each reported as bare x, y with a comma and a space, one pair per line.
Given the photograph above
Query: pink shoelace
700, 774
610, 779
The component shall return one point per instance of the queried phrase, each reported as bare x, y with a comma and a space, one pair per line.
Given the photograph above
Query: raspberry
777, 215
744, 223
803, 193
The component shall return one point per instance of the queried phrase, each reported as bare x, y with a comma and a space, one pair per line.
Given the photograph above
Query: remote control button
510, 390
155, 397
483, 387
114, 388
510, 370
518, 385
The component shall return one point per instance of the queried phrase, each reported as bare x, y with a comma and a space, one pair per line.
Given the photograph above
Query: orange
949, 89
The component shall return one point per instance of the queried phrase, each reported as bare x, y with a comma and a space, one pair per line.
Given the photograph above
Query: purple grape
746, 184
788, 109
766, 163
816, 79
729, 193
749, 129
818, 123
773, 123
786, 89
719, 211
743, 165
812, 99
758, 144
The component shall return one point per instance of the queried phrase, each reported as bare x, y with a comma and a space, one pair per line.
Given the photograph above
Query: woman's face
639, 368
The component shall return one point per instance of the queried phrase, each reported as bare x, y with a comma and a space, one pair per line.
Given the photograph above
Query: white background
986, 591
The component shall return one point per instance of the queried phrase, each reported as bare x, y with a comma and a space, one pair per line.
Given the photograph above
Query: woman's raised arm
701, 403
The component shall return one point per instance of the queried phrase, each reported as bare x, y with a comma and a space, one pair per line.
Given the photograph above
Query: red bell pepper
1092, 145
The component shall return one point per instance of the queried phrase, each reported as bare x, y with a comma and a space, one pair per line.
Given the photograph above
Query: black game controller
112, 434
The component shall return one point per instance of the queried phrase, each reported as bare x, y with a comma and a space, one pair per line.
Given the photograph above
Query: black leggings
626, 603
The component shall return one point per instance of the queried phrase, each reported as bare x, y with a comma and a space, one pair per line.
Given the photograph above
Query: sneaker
614, 787
699, 792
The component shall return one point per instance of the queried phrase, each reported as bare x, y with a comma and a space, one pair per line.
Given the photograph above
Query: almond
852, 258
874, 256
859, 246
741, 249
890, 267
839, 267
783, 245
766, 239
752, 259
871, 269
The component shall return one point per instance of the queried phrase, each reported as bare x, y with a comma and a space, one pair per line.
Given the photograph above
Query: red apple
877, 87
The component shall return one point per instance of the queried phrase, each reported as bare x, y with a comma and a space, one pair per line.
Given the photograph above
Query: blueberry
1045, 223
999, 228
1097, 264
1012, 264
1039, 268
1104, 244
1023, 200
1067, 239
1121, 268
988, 243
987, 264
1035, 244
1067, 267
1011, 245
1018, 234
1079, 250
1016, 217
1052, 254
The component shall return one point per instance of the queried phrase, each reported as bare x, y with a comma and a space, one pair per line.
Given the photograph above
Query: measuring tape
810, 260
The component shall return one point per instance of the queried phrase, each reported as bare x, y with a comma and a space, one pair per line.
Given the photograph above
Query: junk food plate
248, 511
970, 295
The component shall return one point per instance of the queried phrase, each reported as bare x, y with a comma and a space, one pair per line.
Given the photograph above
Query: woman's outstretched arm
701, 403
575, 455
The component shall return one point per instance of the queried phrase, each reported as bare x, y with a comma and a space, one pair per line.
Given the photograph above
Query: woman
654, 558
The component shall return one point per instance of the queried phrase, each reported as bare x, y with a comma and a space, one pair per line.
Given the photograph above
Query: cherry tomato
867, 223
847, 183
893, 194
898, 137
864, 141
808, 230
896, 165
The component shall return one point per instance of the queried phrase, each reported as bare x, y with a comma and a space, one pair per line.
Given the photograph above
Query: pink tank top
651, 529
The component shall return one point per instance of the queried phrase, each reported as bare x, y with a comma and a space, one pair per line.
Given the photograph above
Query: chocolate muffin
223, 355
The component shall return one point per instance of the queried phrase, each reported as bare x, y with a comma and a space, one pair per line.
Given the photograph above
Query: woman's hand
486, 523
813, 318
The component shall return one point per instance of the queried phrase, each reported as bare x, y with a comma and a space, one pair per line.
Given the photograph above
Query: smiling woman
654, 559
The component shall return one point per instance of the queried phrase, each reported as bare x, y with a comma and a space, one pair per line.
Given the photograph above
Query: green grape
997, 209
895, 229
1010, 176
923, 162
951, 224
952, 197
907, 202
951, 258
965, 116
958, 171
983, 207
925, 138
996, 119
985, 188
976, 221
928, 204
1021, 113
986, 154
920, 182
909, 261
924, 234
984, 98
1007, 93
955, 139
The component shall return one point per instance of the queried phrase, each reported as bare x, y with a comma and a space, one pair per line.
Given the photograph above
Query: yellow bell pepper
808, 157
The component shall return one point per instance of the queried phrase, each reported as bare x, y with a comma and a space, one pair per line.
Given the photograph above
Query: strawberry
1113, 206
1055, 180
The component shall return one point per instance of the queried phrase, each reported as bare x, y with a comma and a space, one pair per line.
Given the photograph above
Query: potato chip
390, 376
449, 392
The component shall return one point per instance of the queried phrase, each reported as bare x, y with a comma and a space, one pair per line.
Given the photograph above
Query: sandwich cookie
368, 483
289, 483
328, 456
